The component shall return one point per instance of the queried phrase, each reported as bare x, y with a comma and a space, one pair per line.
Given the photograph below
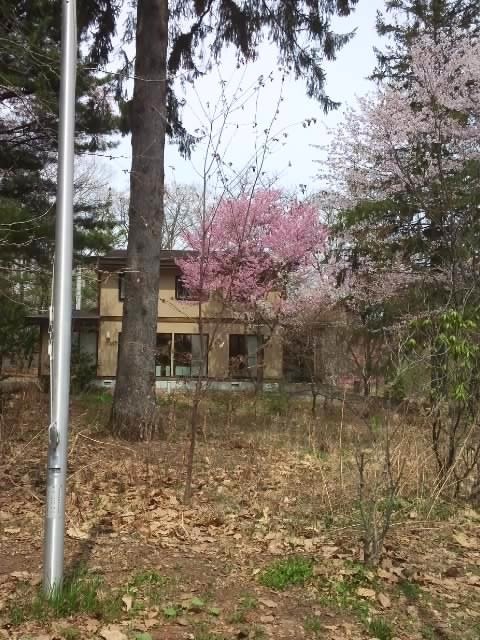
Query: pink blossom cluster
247, 248
333, 284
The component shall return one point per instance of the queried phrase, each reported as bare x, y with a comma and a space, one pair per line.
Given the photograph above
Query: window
121, 286
163, 355
244, 355
181, 291
187, 356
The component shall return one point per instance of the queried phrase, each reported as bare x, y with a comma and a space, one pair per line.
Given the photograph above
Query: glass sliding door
163, 355
189, 355
245, 355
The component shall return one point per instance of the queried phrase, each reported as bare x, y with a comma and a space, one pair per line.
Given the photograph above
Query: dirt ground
262, 493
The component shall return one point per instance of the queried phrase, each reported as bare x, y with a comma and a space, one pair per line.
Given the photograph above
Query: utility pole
62, 311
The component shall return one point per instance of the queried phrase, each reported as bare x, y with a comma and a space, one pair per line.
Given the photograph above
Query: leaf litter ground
172, 572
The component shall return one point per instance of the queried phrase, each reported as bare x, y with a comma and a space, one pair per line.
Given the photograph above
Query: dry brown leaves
251, 507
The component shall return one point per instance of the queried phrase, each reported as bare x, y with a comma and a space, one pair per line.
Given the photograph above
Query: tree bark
133, 411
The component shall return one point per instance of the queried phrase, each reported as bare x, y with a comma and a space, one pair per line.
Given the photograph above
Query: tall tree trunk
133, 412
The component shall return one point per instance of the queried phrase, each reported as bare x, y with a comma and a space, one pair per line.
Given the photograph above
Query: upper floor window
181, 291
121, 286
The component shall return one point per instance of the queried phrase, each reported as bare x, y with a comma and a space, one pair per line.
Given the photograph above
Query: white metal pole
78, 294
62, 302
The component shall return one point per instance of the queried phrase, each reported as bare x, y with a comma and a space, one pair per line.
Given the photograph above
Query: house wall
111, 306
218, 365
176, 317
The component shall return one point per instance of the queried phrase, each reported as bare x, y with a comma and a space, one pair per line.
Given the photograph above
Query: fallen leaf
20, 575
276, 548
11, 531
268, 603
112, 632
387, 575
90, 625
127, 601
76, 533
384, 600
267, 619
471, 514
148, 623
464, 541
363, 592
329, 551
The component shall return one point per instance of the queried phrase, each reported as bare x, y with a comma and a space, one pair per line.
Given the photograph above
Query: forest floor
269, 548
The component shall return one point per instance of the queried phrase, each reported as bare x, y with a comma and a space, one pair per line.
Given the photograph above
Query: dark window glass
181, 291
163, 355
121, 286
244, 355
189, 355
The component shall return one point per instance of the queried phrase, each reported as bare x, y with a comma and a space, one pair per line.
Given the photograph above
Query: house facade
238, 355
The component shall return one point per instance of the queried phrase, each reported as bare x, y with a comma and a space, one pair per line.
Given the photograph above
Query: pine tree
169, 36
29, 92
406, 20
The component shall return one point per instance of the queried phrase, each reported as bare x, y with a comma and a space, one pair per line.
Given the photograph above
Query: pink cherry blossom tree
405, 166
411, 139
411, 154
245, 250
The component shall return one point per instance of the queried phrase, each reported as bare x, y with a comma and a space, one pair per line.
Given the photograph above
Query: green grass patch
275, 403
380, 629
172, 611
81, 592
410, 590
294, 570
343, 594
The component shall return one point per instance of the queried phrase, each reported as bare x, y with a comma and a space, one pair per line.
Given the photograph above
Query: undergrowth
81, 592
285, 573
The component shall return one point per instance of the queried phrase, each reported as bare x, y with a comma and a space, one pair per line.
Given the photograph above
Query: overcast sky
292, 153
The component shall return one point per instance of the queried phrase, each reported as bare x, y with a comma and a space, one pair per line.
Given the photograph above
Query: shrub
83, 370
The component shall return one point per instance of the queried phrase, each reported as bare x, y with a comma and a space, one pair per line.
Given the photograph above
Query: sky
229, 103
